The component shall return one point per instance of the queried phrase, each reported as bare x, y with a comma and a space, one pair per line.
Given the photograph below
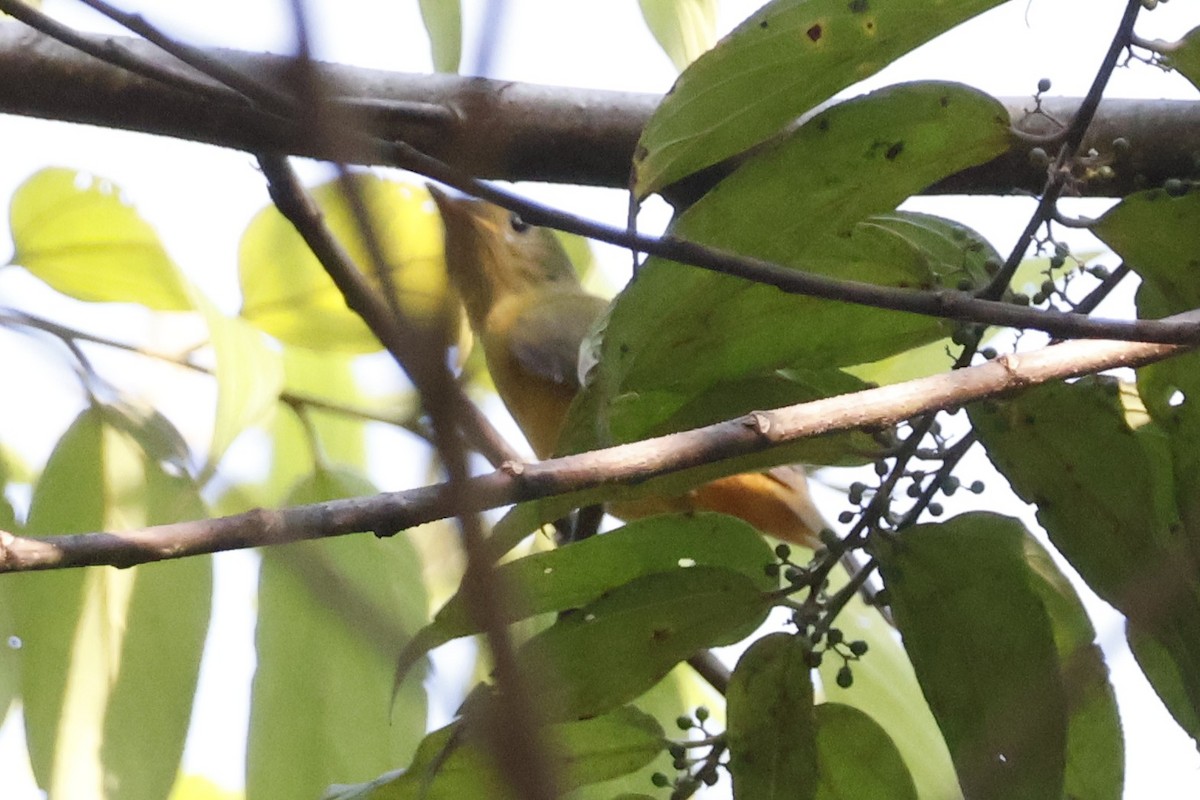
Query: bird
530, 313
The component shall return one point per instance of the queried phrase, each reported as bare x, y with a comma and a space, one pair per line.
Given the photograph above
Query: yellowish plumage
530, 313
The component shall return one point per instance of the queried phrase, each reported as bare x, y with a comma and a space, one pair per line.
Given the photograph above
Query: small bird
530, 313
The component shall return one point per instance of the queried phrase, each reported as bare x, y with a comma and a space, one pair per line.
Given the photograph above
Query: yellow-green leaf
110, 658
287, 293
443, 23
684, 28
83, 237
249, 377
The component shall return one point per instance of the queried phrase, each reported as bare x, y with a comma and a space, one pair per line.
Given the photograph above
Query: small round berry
845, 678
1043, 85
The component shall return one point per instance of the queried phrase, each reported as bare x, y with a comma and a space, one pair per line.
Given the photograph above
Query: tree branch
588, 477
495, 129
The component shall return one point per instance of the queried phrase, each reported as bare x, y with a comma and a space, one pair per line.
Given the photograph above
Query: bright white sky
200, 198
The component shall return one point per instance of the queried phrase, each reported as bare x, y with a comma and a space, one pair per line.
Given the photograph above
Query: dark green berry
845, 678
660, 780
684, 723
782, 551
858, 648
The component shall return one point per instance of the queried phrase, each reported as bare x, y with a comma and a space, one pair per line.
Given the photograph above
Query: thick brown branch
495, 129
590, 476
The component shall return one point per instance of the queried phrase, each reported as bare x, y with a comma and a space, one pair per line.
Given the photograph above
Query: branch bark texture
495, 129
624, 465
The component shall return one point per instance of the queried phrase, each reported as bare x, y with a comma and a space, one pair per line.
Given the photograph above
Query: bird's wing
546, 336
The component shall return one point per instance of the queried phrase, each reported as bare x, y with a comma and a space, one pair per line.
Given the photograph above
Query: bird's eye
519, 225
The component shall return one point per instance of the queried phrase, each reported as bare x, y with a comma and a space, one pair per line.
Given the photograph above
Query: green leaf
579, 573
612, 650
449, 766
858, 760
249, 377
786, 58
684, 28
1159, 236
1184, 56
676, 332
886, 689
1167, 655
1067, 449
110, 658
1095, 746
772, 728
10, 661
80, 235
1114, 517
982, 646
287, 293
331, 616
443, 23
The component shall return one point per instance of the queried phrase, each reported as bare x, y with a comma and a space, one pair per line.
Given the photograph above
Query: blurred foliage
981, 675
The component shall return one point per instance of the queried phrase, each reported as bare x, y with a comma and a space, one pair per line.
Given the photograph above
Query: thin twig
627, 470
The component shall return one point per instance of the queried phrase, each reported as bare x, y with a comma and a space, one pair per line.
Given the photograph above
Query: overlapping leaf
331, 616
449, 766
772, 730
786, 58
677, 332
983, 648
612, 650
857, 759
110, 659
886, 690
287, 293
577, 574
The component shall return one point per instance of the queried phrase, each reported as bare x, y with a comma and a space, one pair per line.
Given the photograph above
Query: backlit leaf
110, 658
80, 235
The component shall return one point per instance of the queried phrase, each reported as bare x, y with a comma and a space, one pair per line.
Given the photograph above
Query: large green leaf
1067, 449
886, 689
684, 28
287, 293
857, 758
1106, 496
786, 58
10, 661
449, 766
79, 234
677, 332
1095, 746
110, 658
331, 616
983, 648
772, 729
612, 650
579, 573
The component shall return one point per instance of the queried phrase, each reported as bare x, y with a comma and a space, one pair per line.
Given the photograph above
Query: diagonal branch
588, 477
